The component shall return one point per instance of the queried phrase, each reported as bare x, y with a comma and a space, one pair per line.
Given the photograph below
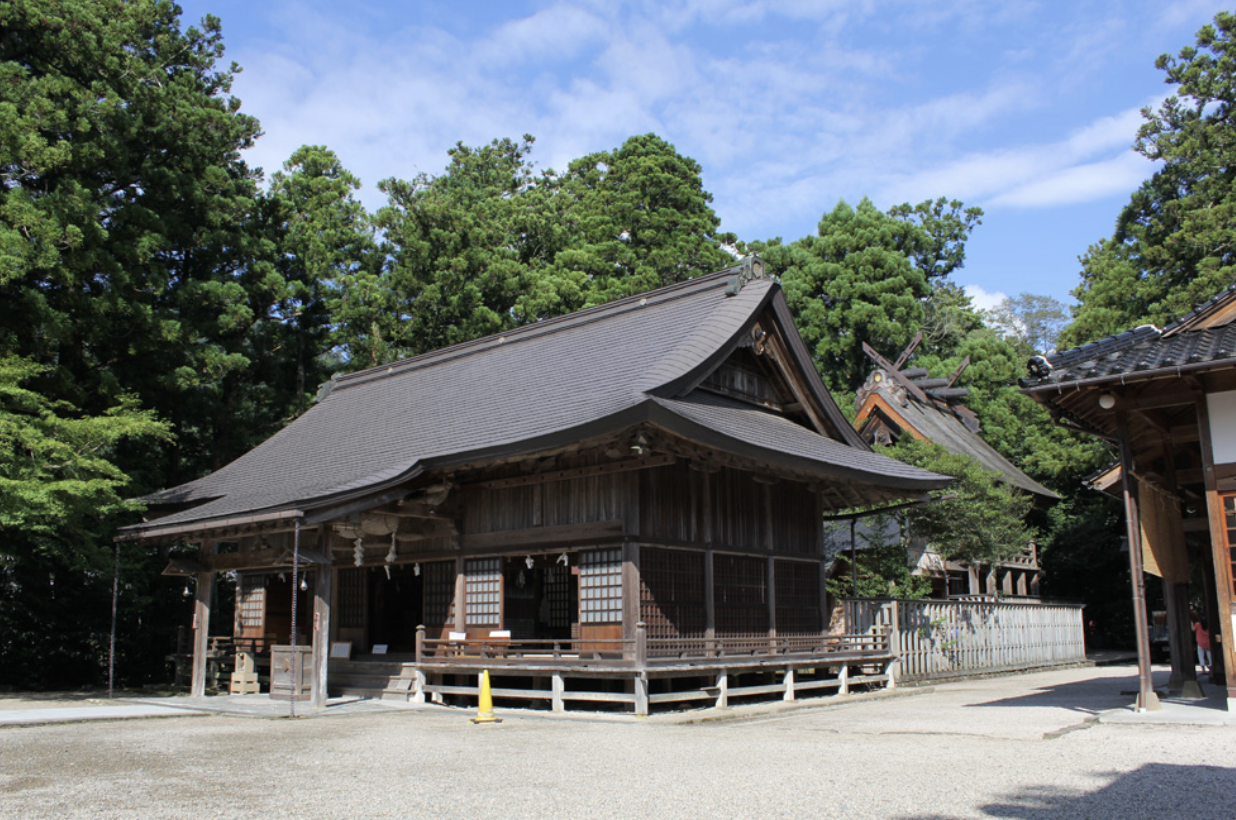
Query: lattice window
798, 598
439, 591
251, 602
483, 593
672, 593
558, 592
351, 598
600, 587
741, 594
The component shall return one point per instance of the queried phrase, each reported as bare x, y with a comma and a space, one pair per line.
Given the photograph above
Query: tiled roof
1136, 351
1197, 340
538, 386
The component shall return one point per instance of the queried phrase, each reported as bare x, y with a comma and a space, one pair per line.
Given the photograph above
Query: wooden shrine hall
1167, 399
621, 505
898, 401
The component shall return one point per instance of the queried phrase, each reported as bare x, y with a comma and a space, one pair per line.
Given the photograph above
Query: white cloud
1094, 161
982, 299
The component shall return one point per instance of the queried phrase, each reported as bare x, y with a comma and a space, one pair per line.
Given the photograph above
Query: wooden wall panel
741, 592
667, 503
798, 597
794, 520
737, 510
672, 593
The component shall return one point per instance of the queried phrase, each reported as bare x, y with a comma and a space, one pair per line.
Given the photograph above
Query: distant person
1203, 644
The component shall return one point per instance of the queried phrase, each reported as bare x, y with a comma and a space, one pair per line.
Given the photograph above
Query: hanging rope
111, 646
295, 596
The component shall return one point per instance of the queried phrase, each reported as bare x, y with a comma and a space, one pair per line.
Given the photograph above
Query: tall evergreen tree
1173, 247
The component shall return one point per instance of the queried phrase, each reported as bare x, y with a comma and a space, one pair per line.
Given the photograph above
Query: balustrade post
641, 646
420, 643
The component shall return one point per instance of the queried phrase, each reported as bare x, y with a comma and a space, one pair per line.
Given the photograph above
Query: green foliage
639, 219
882, 565
1173, 244
489, 244
57, 470
984, 522
59, 490
1082, 558
939, 246
851, 284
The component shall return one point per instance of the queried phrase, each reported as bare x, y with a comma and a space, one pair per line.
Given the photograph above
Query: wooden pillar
1223, 641
710, 596
641, 666
1147, 700
461, 597
418, 694
771, 582
324, 576
201, 622
630, 589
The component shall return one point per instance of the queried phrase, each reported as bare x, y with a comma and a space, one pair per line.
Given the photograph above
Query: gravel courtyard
1016, 747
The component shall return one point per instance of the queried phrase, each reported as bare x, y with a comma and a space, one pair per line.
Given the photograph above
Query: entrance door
395, 607
541, 601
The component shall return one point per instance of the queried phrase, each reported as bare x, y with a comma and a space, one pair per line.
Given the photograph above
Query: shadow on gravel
1088, 697
1155, 791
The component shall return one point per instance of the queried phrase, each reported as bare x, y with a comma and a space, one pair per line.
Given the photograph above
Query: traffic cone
485, 705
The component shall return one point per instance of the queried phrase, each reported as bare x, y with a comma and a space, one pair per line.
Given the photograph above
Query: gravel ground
974, 749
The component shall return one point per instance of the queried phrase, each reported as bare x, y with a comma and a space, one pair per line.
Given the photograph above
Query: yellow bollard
485, 706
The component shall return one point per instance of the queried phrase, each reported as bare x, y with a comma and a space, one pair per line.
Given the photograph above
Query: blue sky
1026, 109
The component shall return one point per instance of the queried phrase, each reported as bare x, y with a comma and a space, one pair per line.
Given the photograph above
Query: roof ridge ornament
750, 267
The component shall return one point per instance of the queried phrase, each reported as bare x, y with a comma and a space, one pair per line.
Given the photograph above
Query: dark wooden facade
680, 536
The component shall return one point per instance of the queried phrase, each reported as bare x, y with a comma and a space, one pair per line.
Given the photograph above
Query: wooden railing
642, 650
938, 639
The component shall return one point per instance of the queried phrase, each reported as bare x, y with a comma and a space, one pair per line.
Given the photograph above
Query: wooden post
630, 588
641, 666
1223, 641
710, 599
789, 684
771, 584
1147, 700
201, 622
894, 644
723, 689
559, 688
461, 597
323, 582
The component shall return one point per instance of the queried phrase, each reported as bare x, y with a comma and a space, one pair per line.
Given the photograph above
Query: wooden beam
578, 472
961, 368
914, 389
538, 536
909, 351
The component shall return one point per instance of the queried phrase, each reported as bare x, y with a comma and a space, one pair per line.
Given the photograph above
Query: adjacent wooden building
599, 506
1167, 399
898, 401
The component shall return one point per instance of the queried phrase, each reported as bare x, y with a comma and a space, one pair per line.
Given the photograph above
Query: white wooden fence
941, 639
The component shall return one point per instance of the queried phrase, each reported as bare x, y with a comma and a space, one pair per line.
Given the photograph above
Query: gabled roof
540, 386
940, 425
1204, 339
